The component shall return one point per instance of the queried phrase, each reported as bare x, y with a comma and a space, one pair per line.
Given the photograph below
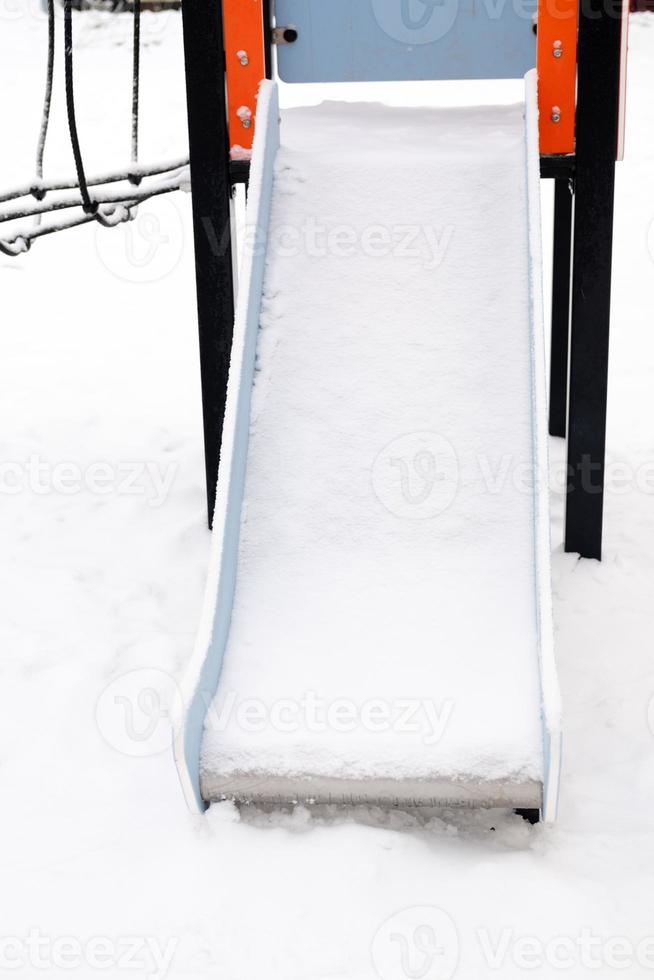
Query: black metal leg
267, 35
597, 112
211, 196
560, 306
531, 816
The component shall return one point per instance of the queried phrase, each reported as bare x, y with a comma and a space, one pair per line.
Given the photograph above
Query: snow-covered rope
89, 206
47, 102
47, 98
39, 188
136, 75
107, 207
111, 209
22, 242
175, 182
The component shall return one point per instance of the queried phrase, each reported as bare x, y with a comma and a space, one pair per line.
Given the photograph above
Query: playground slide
377, 625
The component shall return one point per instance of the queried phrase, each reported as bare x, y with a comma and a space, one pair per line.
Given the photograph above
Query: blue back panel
413, 40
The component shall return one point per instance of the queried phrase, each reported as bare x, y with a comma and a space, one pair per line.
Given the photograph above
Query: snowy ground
104, 552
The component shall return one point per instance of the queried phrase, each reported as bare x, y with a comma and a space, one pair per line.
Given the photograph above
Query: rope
107, 207
136, 75
87, 204
21, 243
47, 99
39, 189
137, 196
36, 190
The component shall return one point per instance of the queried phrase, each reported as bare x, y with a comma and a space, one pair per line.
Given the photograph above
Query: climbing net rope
96, 196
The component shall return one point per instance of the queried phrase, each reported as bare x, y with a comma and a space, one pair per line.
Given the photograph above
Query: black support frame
598, 95
561, 264
211, 197
581, 274
213, 177
581, 292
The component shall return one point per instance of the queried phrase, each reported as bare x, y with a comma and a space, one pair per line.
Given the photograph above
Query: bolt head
246, 123
557, 52
244, 59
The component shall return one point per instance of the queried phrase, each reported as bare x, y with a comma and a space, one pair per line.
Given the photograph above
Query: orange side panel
557, 74
245, 67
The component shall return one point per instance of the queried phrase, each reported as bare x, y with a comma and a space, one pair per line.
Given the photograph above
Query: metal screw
243, 57
246, 123
557, 49
556, 114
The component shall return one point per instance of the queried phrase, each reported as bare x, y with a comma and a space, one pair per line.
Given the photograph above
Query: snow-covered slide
377, 624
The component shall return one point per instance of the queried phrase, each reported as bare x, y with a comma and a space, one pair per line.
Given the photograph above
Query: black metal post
596, 135
560, 306
267, 35
211, 196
